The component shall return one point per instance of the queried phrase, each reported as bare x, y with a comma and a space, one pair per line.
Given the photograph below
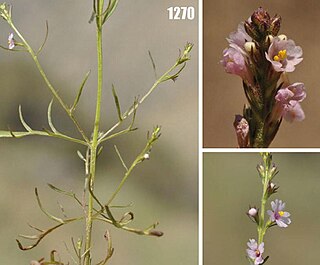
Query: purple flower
234, 62
284, 55
239, 37
11, 41
278, 215
242, 130
255, 252
287, 102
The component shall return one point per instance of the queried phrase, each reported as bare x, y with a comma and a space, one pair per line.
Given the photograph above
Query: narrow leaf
59, 220
25, 125
45, 38
116, 100
75, 103
81, 156
110, 9
67, 193
153, 65
50, 119
120, 157
174, 76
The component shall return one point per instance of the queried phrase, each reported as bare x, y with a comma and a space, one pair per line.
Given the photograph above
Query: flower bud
250, 46
260, 169
260, 18
283, 37
253, 214
273, 171
146, 156
275, 25
269, 39
262, 25
272, 188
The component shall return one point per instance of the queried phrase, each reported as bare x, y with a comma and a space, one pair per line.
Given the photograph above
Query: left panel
136, 176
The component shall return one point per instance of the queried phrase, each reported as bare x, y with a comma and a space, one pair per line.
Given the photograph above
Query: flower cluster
277, 215
262, 58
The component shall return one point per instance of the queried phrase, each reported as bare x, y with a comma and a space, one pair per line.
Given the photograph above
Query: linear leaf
59, 220
116, 100
75, 103
50, 119
45, 38
110, 9
153, 65
25, 125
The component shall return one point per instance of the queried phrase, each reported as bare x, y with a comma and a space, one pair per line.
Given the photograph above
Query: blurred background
231, 184
162, 189
223, 93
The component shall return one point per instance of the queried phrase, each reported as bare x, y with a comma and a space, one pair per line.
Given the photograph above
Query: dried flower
11, 41
278, 215
284, 55
294, 112
241, 127
255, 252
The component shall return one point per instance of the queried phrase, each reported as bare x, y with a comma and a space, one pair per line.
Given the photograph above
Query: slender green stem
262, 228
137, 104
44, 76
266, 178
139, 159
94, 143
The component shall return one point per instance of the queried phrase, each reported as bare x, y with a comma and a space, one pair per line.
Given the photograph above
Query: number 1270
181, 12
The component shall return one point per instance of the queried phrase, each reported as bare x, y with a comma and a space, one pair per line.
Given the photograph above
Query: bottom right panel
261, 208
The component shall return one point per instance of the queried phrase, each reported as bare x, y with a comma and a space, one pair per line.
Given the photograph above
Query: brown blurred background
228, 192
223, 93
162, 189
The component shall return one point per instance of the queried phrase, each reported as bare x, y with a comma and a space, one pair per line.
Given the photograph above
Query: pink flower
254, 251
278, 215
239, 38
234, 62
296, 92
284, 55
287, 102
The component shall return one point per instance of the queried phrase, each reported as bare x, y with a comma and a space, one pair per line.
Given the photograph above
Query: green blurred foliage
231, 184
163, 188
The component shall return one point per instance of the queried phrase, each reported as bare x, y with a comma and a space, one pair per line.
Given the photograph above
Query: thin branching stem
132, 109
48, 83
94, 142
